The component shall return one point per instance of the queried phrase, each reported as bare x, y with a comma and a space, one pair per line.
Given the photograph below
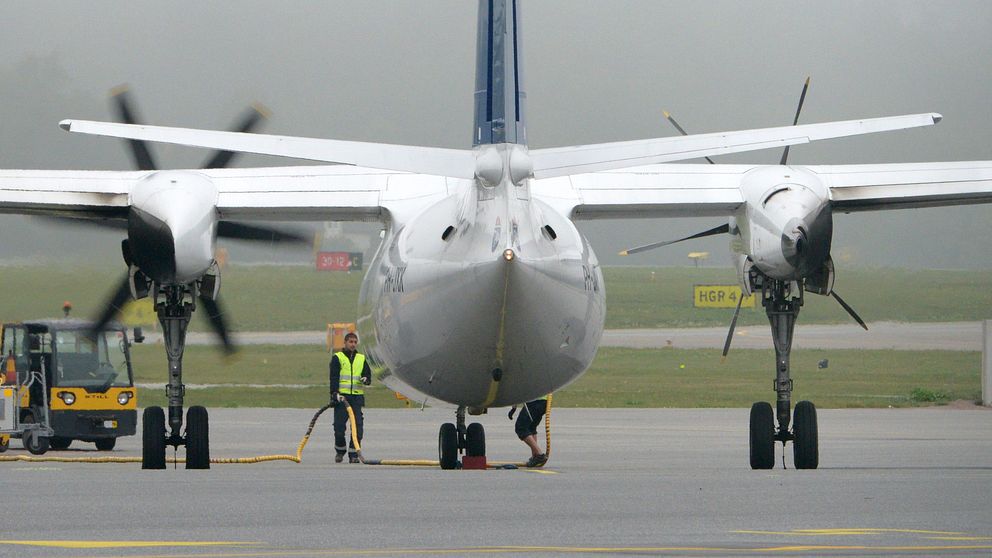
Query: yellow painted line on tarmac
124, 544
816, 549
849, 532
541, 471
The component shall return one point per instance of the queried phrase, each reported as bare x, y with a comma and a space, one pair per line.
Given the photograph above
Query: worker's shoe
537, 460
353, 459
338, 458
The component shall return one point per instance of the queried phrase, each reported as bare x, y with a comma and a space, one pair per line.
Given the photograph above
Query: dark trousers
530, 416
341, 421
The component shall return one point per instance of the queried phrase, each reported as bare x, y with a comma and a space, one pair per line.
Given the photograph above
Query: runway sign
719, 296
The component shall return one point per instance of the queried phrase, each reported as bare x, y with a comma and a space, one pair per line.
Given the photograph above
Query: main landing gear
782, 301
457, 438
174, 310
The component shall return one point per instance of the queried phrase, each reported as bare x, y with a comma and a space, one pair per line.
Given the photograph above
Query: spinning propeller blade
725, 228
681, 131
248, 122
112, 306
850, 310
139, 149
733, 325
802, 98
215, 315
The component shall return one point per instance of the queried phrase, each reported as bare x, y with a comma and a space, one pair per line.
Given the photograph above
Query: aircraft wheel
762, 436
153, 438
447, 446
105, 444
475, 440
805, 440
60, 443
33, 442
197, 438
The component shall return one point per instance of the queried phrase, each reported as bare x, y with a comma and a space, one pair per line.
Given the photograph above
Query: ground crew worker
350, 373
526, 427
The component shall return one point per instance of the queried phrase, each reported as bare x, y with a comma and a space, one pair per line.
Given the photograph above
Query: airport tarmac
945, 336
891, 482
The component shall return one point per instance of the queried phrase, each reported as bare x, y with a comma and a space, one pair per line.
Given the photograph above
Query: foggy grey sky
596, 71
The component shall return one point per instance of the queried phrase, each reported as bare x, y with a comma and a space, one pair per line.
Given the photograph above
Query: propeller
139, 148
144, 160
215, 316
802, 98
725, 228
733, 325
681, 131
850, 310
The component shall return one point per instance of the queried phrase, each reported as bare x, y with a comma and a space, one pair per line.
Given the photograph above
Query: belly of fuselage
480, 330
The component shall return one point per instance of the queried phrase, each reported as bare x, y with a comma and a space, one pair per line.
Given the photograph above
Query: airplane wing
83, 194
714, 190
648, 191
562, 161
548, 163
342, 193
906, 185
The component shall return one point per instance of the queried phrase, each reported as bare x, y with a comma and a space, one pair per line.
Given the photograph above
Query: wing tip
937, 117
66, 125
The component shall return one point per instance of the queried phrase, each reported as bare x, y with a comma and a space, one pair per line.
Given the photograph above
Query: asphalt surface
891, 482
947, 336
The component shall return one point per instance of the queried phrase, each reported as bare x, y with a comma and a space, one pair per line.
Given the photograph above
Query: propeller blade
681, 131
850, 310
725, 228
139, 149
248, 122
241, 231
802, 98
113, 306
215, 315
733, 325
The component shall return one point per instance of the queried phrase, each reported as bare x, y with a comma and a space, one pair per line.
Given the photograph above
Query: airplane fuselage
485, 298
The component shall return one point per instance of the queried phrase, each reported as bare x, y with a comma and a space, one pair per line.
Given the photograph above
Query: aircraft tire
762, 426
197, 438
153, 438
447, 446
475, 440
805, 442
60, 442
105, 444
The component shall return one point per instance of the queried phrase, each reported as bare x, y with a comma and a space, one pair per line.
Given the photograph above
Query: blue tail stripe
499, 99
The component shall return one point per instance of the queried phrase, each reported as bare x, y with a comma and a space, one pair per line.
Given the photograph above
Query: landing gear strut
782, 301
457, 438
174, 313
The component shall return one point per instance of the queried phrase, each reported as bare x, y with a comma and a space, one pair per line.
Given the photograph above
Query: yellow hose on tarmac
220, 460
284, 457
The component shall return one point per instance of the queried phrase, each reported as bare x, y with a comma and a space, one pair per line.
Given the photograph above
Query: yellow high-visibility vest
351, 374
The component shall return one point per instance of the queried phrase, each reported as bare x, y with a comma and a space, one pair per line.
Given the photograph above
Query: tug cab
65, 386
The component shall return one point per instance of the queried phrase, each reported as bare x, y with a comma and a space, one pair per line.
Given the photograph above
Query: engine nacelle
789, 224
172, 226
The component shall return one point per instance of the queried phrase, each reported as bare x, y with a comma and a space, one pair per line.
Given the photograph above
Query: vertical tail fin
499, 94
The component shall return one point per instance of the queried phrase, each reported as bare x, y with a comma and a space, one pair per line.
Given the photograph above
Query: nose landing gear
174, 313
457, 438
782, 308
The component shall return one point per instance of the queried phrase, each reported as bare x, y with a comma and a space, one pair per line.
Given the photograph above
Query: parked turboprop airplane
483, 293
